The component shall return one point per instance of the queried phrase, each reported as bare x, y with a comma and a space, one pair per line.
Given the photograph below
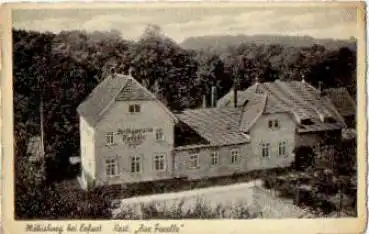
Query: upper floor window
273, 123
234, 156
265, 150
109, 138
135, 164
214, 158
159, 134
194, 161
159, 162
134, 108
111, 167
270, 123
282, 148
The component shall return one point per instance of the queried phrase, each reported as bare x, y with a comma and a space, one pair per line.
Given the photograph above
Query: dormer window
306, 122
329, 119
134, 108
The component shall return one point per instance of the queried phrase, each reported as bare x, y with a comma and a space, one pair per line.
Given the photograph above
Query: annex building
127, 135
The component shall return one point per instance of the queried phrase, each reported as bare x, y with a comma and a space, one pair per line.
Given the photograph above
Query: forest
64, 67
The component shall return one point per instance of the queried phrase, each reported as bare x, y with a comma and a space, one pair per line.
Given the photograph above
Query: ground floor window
194, 161
234, 156
159, 162
111, 167
265, 150
282, 148
135, 164
214, 158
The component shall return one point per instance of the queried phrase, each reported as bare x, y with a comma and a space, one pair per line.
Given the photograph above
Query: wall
205, 169
87, 146
261, 133
118, 117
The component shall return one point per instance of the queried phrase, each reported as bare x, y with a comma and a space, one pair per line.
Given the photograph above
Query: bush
304, 157
200, 210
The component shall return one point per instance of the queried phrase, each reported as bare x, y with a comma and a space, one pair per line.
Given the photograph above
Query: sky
182, 22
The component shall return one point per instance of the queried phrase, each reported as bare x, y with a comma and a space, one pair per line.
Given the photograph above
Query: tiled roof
243, 96
104, 93
133, 92
219, 126
113, 88
342, 100
300, 99
304, 102
318, 125
251, 113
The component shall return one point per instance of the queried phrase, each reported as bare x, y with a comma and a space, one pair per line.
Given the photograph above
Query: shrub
200, 210
304, 157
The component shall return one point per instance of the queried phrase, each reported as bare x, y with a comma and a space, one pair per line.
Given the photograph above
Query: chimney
112, 72
235, 96
320, 87
303, 79
130, 71
213, 96
235, 87
204, 101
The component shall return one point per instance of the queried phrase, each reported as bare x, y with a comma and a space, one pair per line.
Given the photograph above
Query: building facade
127, 135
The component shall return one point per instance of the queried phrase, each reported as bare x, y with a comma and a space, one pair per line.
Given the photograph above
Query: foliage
304, 157
199, 210
323, 188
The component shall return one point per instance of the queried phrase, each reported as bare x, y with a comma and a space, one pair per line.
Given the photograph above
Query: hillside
224, 41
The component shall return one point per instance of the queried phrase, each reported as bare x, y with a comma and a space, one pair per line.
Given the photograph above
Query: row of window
214, 159
111, 165
109, 136
265, 149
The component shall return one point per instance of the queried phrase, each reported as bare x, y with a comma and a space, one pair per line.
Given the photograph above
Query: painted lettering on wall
134, 136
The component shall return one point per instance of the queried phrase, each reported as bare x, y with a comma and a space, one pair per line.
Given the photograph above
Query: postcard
183, 117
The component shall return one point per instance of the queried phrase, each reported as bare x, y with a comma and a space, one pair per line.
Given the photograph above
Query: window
111, 167
159, 162
270, 124
159, 134
134, 108
306, 122
282, 148
194, 161
273, 123
109, 138
234, 156
135, 164
265, 150
214, 158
